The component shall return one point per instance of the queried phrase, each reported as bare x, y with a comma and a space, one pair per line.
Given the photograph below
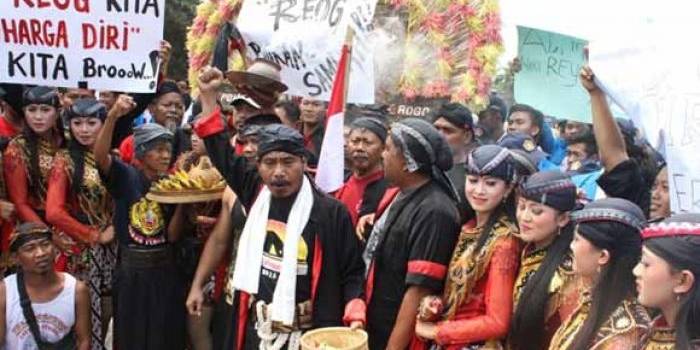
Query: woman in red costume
478, 296
29, 156
79, 206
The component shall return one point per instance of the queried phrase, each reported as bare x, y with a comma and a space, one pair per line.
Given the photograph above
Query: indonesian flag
331, 162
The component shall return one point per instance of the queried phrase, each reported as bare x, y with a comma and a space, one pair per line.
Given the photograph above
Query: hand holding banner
548, 79
659, 88
105, 45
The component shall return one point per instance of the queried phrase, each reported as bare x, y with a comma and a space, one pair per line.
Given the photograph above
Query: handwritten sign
305, 39
659, 88
548, 79
96, 44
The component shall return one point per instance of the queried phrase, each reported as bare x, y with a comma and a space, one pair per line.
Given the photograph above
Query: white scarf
246, 276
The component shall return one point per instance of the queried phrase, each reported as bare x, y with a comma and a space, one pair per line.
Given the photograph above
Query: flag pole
331, 163
349, 37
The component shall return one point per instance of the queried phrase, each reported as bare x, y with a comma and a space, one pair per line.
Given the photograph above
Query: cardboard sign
305, 39
96, 44
659, 88
548, 79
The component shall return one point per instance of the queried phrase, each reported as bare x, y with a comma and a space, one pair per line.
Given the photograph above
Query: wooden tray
186, 196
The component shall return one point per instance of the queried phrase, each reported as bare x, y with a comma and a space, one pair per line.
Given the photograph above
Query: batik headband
608, 214
372, 124
559, 194
494, 161
89, 108
26, 233
397, 130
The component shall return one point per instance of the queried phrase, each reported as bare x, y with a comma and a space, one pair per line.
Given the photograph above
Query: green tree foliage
178, 17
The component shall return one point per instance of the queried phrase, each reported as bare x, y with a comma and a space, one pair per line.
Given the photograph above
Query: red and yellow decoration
450, 49
465, 40
202, 35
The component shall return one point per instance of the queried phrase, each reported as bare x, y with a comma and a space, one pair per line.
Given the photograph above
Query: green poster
548, 79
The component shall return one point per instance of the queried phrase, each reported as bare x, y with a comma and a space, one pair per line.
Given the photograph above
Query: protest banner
305, 37
96, 44
548, 79
660, 90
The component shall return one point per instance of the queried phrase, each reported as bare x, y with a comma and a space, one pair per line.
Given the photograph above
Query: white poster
305, 38
658, 86
96, 44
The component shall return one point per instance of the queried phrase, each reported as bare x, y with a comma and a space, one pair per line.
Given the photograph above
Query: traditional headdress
551, 188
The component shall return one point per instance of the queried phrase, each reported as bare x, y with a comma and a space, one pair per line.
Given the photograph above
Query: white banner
658, 86
305, 38
97, 44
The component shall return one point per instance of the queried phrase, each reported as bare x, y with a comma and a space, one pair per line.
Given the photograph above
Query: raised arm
123, 126
240, 176
103, 145
607, 133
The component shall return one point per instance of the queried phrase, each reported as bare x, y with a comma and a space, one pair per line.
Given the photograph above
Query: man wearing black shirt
327, 270
412, 240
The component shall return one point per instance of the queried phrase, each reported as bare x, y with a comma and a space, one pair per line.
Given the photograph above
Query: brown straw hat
262, 74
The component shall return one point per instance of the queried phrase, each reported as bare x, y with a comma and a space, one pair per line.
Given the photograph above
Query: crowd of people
495, 229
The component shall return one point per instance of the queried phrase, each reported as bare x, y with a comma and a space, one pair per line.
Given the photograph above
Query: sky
599, 19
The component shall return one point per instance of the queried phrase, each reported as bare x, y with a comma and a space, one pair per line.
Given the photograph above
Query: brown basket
334, 338
182, 197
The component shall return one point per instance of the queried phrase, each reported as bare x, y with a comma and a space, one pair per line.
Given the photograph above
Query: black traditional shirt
420, 233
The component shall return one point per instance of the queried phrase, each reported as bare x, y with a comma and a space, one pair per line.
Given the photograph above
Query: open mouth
279, 185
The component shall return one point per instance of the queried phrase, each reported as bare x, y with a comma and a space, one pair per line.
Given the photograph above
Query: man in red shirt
365, 188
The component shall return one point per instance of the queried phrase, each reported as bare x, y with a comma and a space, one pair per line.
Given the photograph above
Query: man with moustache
167, 110
366, 186
298, 263
58, 308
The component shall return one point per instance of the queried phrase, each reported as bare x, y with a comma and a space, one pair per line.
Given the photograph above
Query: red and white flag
331, 163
